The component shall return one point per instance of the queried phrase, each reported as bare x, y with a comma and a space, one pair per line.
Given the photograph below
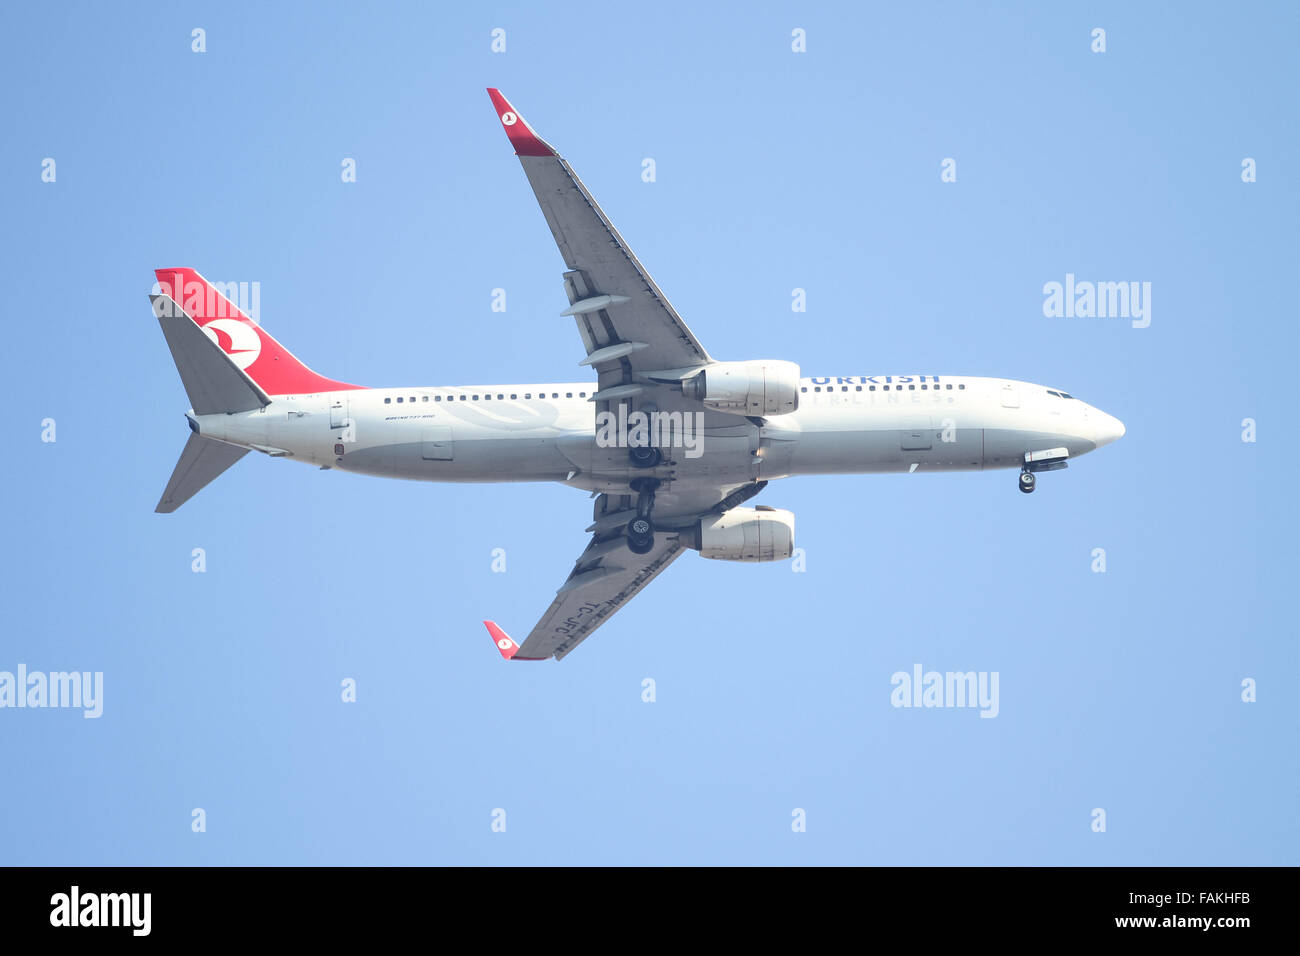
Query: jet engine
748, 388
744, 534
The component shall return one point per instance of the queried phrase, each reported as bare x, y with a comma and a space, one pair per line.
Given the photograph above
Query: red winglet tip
505, 644
521, 135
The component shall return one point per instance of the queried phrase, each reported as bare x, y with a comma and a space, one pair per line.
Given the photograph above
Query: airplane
669, 441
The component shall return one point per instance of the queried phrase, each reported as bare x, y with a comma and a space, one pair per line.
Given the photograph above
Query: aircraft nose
1107, 428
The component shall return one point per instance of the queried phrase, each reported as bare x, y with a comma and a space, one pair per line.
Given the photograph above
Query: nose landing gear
1051, 459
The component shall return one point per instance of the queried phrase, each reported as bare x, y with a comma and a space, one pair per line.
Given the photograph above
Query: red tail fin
251, 347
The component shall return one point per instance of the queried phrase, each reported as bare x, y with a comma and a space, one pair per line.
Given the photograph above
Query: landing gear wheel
644, 456
1027, 481
640, 535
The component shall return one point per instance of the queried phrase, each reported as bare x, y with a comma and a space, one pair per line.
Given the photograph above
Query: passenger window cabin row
541, 396
872, 388
487, 397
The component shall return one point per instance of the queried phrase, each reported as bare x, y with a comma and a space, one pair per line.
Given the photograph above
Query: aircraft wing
605, 578
626, 322
608, 574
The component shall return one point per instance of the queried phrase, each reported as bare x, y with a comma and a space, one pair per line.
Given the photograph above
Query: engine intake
748, 388
744, 534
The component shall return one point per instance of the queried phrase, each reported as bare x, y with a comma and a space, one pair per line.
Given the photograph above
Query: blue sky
775, 170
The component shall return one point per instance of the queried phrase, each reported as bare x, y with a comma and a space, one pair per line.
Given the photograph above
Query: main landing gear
640, 530
1027, 481
644, 456
640, 535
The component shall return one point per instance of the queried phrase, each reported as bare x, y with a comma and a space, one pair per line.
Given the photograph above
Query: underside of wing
656, 486
608, 575
622, 314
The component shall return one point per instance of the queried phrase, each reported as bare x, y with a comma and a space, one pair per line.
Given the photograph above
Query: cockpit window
1063, 395
1050, 392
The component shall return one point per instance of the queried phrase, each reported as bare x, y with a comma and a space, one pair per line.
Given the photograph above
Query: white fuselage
548, 432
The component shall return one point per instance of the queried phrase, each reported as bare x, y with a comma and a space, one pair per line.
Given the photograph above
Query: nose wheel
1027, 481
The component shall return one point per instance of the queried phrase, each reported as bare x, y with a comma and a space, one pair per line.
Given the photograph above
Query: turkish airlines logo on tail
237, 339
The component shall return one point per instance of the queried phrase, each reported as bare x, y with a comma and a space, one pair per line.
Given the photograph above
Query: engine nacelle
745, 534
748, 388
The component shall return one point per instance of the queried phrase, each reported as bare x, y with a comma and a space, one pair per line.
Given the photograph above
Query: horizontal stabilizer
213, 382
202, 460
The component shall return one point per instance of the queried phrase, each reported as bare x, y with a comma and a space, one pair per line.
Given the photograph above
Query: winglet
522, 138
505, 644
